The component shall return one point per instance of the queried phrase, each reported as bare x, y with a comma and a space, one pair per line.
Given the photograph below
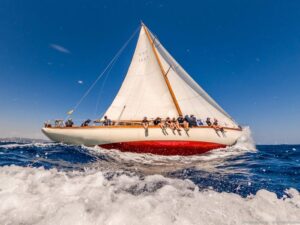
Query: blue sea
50, 183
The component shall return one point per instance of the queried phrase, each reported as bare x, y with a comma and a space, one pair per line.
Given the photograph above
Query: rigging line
110, 63
102, 86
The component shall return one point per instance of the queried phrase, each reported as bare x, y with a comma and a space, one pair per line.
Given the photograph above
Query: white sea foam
38, 196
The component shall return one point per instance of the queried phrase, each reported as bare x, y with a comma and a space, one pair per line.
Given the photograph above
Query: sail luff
164, 74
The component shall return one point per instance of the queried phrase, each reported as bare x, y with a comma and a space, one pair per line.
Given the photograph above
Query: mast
163, 72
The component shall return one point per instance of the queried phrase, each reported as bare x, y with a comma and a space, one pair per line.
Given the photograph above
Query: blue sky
245, 54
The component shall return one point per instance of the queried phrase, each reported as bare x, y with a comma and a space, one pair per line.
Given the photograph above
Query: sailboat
155, 86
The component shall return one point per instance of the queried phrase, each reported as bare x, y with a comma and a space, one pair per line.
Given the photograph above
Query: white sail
144, 91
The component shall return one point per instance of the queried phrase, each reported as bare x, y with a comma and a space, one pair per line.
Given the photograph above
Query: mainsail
147, 92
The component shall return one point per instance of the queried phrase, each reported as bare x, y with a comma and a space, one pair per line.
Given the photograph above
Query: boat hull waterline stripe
167, 148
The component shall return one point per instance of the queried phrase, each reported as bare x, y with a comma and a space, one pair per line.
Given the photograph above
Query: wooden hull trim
134, 126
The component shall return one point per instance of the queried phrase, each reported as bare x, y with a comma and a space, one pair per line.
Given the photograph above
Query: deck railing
115, 123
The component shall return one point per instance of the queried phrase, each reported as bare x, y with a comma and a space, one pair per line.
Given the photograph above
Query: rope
101, 89
103, 72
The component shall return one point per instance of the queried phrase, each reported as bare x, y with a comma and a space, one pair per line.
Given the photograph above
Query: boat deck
134, 126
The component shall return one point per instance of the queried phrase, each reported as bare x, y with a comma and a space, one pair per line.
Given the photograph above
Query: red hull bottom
164, 147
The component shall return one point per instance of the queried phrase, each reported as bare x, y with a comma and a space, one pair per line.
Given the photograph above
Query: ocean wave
40, 145
39, 196
39, 153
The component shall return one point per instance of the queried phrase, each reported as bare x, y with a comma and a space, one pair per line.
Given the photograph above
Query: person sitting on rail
208, 122
160, 123
86, 123
193, 121
188, 119
199, 122
180, 120
215, 123
69, 123
145, 123
47, 124
186, 122
168, 122
216, 126
175, 124
157, 121
58, 123
107, 122
172, 124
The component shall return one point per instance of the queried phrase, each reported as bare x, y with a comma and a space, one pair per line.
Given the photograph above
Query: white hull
105, 136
